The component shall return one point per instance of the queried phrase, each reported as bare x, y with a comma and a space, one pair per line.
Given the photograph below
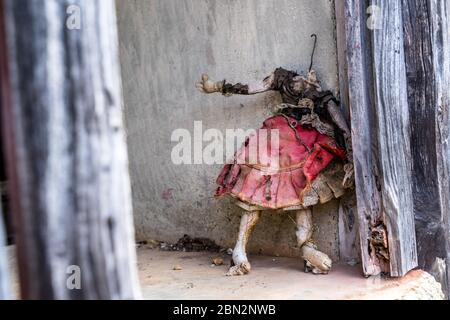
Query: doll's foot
315, 261
239, 264
239, 269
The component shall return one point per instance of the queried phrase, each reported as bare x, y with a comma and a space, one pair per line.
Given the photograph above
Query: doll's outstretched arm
206, 85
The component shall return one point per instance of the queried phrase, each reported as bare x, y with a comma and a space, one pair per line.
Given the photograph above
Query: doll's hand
209, 86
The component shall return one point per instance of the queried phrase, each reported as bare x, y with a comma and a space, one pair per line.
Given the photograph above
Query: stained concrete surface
165, 45
271, 278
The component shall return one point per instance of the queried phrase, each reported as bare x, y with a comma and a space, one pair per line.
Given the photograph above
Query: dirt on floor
194, 275
201, 275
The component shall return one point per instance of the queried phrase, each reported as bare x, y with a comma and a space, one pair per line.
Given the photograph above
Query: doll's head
302, 84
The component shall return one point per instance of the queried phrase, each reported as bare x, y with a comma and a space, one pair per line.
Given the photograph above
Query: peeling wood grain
5, 292
349, 250
427, 56
391, 104
439, 12
70, 188
374, 70
356, 53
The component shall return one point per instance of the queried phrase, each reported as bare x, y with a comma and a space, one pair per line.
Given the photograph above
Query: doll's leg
315, 261
241, 264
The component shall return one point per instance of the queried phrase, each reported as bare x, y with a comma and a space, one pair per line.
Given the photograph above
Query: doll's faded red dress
304, 168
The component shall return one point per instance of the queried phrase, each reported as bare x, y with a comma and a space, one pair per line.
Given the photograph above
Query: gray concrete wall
165, 45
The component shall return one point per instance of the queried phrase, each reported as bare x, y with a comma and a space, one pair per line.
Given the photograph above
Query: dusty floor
271, 278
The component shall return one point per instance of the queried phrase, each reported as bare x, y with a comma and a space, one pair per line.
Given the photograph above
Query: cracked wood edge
391, 103
375, 90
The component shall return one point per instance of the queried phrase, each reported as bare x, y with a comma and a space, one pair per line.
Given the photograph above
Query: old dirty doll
313, 161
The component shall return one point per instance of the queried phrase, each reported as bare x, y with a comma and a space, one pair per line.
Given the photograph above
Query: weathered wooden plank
67, 155
341, 46
427, 52
374, 70
423, 108
440, 31
348, 225
352, 31
4, 274
393, 133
